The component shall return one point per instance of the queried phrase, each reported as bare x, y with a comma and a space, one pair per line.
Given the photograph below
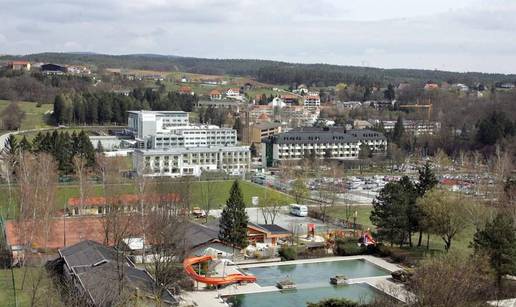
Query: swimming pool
357, 292
315, 274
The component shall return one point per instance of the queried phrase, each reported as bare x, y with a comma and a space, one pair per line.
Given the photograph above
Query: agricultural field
35, 117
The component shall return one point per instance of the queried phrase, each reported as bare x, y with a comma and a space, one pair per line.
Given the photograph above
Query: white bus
298, 210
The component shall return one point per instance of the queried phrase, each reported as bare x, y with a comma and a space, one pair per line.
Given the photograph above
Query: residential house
215, 95
186, 90
290, 99
431, 86
53, 69
92, 271
233, 92
19, 65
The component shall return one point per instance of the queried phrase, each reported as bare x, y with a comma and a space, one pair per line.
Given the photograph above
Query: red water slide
226, 280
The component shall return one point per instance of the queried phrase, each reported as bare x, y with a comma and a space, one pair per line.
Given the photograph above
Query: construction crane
419, 106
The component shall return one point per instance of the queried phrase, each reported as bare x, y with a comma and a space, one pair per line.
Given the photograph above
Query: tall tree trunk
427, 241
420, 238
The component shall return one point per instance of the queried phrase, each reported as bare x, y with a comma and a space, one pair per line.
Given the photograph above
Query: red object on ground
369, 238
229, 279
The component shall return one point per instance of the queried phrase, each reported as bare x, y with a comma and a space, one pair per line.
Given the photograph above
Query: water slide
226, 280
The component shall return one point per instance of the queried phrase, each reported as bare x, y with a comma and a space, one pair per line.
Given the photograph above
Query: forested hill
268, 71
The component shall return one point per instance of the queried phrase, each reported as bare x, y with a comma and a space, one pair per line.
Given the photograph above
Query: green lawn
35, 117
220, 194
46, 295
460, 243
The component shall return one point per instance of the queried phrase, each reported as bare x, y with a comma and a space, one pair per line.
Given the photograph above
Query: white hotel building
168, 145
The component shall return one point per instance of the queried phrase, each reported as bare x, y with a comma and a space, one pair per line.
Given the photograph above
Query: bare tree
270, 206
81, 172
208, 192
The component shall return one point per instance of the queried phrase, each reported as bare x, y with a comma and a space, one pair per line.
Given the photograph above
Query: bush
288, 253
348, 247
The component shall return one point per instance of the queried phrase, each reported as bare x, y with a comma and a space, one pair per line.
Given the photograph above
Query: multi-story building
145, 124
168, 145
256, 132
333, 143
194, 161
312, 101
193, 136
416, 127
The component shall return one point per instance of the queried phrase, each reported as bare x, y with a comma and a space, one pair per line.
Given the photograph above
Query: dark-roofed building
93, 270
53, 69
332, 142
266, 233
204, 240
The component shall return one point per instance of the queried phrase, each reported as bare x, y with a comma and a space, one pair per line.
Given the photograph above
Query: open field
46, 295
220, 194
35, 117
459, 244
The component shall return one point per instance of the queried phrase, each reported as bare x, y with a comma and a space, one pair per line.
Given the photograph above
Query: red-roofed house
19, 65
215, 95
289, 98
185, 90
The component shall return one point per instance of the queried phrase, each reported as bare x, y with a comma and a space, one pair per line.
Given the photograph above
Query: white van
298, 210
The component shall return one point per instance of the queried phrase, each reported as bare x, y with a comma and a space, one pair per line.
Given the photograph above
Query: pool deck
213, 297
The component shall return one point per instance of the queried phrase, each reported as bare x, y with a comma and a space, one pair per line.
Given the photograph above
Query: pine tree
25, 145
99, 148
233, 220
11, 145
398, 131
427, 179
253, 150
498, 241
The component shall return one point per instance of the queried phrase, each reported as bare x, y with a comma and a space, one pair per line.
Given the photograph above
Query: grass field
460, 243
46, 295
220, 194
35, 117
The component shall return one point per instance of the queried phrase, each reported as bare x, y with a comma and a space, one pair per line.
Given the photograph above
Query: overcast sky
458, 35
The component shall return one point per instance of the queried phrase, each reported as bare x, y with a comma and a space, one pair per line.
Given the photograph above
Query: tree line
62, 146
111, 108
269, 71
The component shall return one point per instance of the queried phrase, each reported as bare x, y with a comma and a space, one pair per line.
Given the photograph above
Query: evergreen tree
25, 145
238, 127
393, 211
427, 179
426, 182
389, 93
498, 241
11, 145
37, 142
398, 131
233, 220
99, 148
253, 150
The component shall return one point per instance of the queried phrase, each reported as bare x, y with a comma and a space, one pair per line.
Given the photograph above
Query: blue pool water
315, 274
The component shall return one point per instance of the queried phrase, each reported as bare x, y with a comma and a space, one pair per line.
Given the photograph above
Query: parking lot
283, 219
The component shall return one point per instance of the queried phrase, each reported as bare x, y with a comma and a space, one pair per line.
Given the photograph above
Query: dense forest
111, 108
268, 71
